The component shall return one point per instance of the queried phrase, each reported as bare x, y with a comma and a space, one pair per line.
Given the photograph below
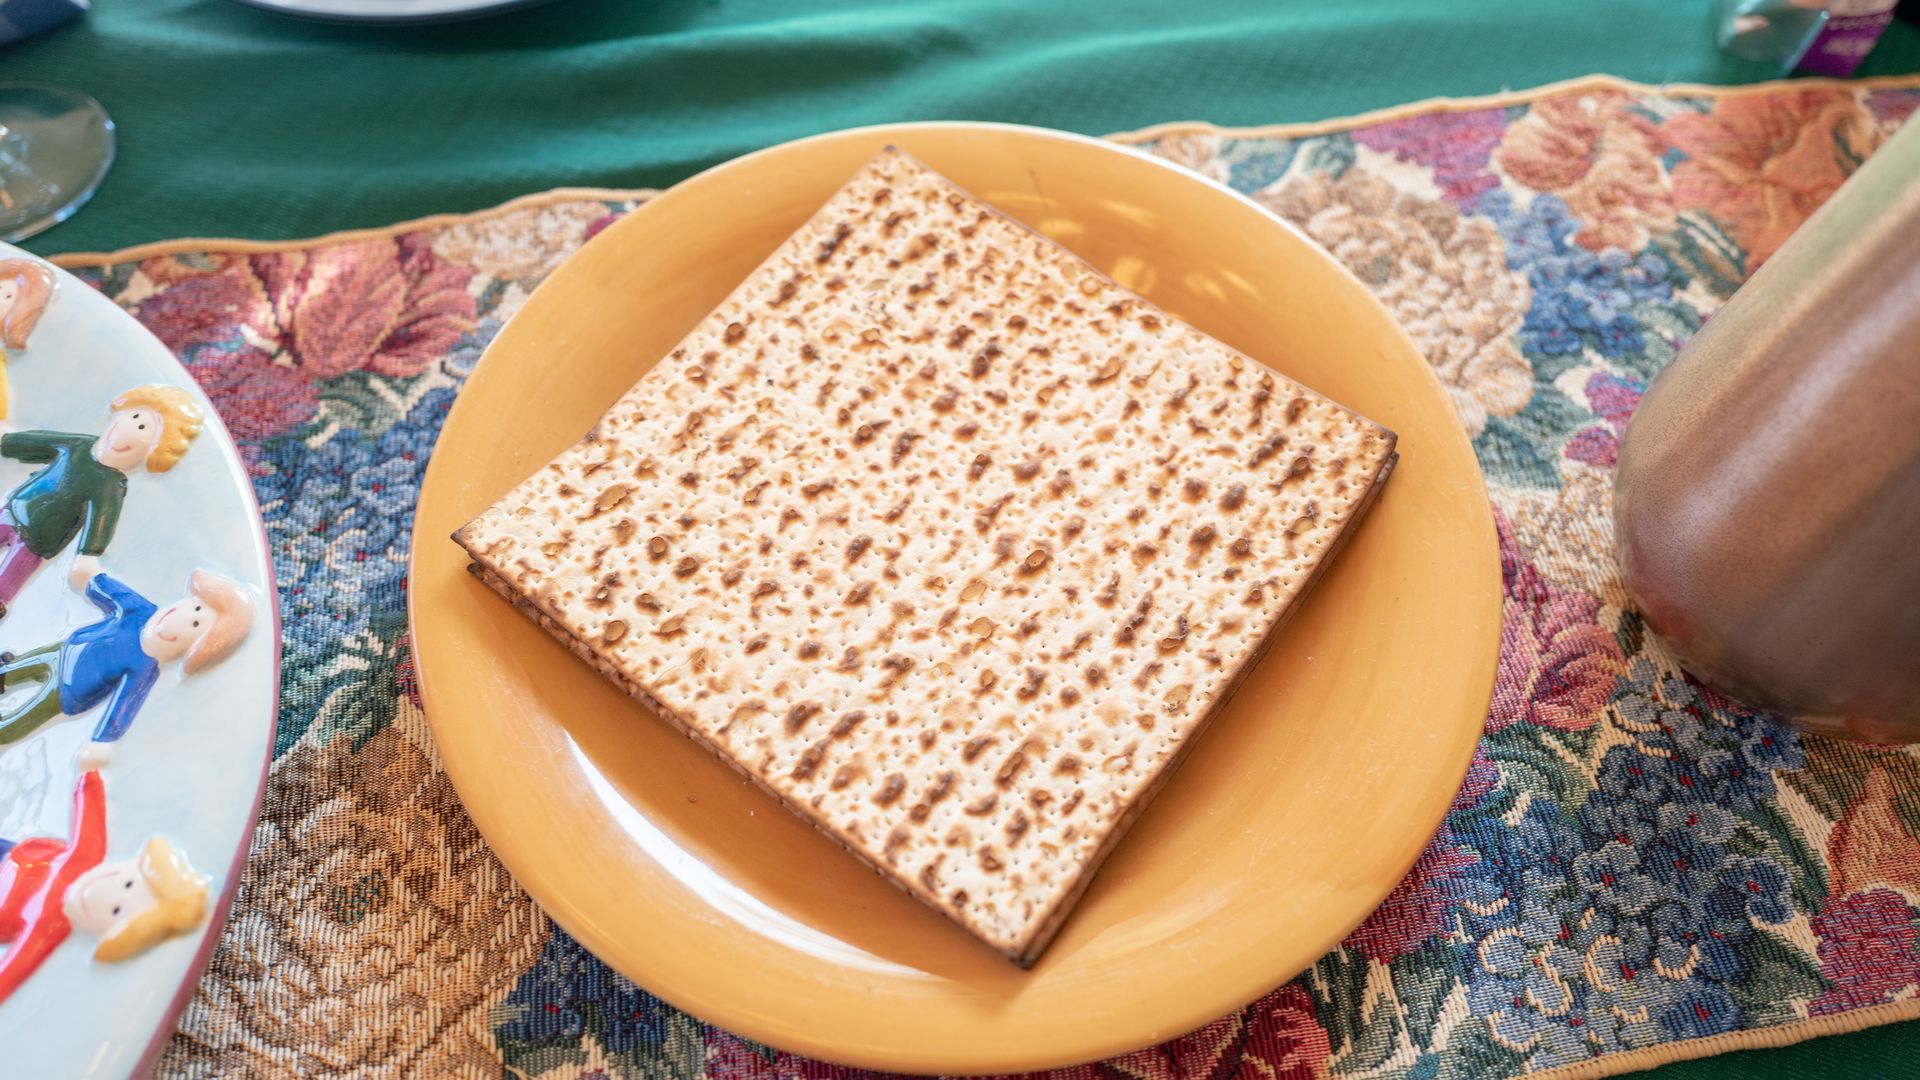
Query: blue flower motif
1625, 921
1630, 997
1703, 1009
1631, 787
1516, 862
1535, 1000
1683, 864
340, 517
1543, 231
417, 433
631, 1017
569, 993
1768, 743
1726, 778
1763, 888
1717, 756
465, 354
543, 1005
1548, 918
1619, 949
1581, 298
1615, 878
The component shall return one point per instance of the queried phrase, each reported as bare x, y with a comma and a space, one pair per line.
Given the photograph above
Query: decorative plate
389, 11
1303, 805
139, 649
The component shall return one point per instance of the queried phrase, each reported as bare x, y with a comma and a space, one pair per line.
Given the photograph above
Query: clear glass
55, 146
1773, 32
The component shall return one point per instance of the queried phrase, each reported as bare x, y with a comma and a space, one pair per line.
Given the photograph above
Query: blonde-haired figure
117, 659
83, 479
134, 904
25, 288
48, 887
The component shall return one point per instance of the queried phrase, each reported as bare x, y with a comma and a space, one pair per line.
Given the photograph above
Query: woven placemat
1636, 871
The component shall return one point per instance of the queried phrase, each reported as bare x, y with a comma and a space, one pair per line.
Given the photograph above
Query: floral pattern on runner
1633, 862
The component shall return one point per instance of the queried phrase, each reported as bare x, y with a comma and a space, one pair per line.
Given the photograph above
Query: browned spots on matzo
832, 243
798, 716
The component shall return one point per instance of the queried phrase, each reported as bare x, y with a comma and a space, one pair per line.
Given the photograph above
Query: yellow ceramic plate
1307, 800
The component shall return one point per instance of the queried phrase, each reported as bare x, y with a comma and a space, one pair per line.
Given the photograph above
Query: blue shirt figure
104, 659
117, 660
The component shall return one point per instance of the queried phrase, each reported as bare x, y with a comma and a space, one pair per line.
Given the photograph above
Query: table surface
235, 122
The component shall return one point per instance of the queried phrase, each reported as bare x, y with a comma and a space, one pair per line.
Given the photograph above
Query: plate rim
237, 869
801, 1040
367, 12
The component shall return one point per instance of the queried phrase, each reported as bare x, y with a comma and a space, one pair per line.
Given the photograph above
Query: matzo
948, 542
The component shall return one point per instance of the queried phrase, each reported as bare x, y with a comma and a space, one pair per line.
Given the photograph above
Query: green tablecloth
234, 122
238, 122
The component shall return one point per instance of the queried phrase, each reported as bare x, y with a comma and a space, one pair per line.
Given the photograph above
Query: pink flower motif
730, 1057
408, 676
594, 227
389, 306
1285, 1039
1761, 164
1601, 158
1455, 145
1279, 1037
1482, 777
1195, 1054
1558, 665
202, 305
257, 398
257, 330
1892, 107
1613, 399
1867, 950
1417, 909
1595, 446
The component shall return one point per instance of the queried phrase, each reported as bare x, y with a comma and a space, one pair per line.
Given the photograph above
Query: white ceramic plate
192, 765
389, 11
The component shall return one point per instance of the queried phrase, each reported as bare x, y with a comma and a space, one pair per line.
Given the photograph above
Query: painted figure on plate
118, 658
82, 482
25, 288
48, 887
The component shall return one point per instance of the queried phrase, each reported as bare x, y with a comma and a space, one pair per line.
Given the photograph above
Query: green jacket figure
83, 479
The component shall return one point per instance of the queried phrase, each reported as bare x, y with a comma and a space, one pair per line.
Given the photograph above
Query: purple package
1851, 30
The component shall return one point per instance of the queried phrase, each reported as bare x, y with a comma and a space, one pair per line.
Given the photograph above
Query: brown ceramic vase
1767, 503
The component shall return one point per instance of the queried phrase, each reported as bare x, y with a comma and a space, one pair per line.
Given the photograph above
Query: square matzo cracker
951, 544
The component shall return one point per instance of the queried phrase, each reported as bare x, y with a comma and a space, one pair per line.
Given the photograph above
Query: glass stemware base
55, 146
